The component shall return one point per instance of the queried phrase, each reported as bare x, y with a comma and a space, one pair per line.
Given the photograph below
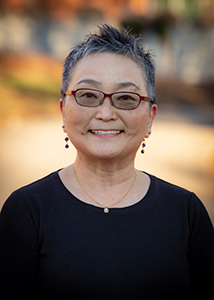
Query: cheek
72, 114
138, 124
76, 119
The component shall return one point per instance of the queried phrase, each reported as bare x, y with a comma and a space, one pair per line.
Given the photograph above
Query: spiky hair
110, 39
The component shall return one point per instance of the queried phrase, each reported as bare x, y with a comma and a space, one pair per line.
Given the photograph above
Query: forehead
108, 67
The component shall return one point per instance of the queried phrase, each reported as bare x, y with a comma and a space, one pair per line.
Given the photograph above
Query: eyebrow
89, 81
126, 84
117, 85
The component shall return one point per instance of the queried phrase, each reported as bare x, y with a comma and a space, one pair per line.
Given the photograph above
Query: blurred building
181, 31
114, 9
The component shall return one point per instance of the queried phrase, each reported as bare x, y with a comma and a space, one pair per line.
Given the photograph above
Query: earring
143, 146
66, 140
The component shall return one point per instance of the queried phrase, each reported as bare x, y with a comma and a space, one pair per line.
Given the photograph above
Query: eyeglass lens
124, 100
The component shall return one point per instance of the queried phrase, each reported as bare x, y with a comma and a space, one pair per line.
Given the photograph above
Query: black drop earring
143, 146
66, 140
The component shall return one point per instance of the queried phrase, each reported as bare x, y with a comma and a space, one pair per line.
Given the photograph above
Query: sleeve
201, 250
18, 249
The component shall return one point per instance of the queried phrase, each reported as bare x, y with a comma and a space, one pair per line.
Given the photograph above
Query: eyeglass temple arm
144, 98
69, 93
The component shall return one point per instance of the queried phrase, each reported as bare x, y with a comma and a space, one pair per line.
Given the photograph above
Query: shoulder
178, 199
169, 190
46, 183
172, 195
31, 196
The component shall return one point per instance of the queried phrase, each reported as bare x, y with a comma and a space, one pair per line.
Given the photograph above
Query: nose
106, 111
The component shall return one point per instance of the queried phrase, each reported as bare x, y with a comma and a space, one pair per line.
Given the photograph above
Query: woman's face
106, 132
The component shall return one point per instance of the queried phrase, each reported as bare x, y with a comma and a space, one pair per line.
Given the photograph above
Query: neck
104, 183
105, 172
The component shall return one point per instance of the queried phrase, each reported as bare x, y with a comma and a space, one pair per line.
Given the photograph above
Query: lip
106, 133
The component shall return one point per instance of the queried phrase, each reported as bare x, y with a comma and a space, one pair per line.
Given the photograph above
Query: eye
127, 97
88, 95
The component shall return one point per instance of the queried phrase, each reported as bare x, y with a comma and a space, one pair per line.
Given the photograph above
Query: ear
153, 112
61, 106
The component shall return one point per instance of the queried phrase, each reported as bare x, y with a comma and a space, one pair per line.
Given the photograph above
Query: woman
99, 229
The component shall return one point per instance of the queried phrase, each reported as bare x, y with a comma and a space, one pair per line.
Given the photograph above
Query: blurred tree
159, 24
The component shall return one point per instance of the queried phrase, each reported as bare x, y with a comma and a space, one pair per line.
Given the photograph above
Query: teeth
101, 132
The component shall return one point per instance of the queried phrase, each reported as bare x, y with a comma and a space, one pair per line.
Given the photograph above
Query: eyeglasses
121, 100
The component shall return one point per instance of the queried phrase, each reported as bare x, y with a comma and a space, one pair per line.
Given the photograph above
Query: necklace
106, 209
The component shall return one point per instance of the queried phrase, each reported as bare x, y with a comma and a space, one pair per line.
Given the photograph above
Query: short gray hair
110, 39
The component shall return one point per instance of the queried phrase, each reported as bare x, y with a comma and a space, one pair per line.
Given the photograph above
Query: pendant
106, 210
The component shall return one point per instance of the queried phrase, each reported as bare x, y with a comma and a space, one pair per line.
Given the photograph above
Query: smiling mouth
106, 132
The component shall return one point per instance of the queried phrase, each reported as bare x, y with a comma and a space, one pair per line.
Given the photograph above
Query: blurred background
35, 38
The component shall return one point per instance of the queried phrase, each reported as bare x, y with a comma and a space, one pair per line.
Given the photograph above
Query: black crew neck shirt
54, 246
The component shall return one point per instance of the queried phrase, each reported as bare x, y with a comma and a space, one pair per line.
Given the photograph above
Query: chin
105, 155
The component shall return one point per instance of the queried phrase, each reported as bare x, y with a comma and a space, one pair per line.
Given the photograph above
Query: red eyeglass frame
142, 98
